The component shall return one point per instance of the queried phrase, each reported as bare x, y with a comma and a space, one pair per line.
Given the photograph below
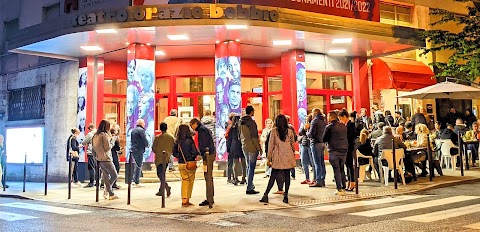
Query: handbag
190, 165
73, 154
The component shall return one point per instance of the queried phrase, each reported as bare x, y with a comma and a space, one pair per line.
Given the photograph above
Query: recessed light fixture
236, 27
106, 31
127, 43
337, 51
342, 41
91, 48
159, 53
217, 41
282, 42
148, 44
178, 37
237, 40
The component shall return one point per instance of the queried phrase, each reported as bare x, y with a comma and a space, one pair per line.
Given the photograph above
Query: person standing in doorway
91, 161
163, 143
173, 122
138, 144
336, 138
102, 144
315, 133
205, 141
250, 145
115, 150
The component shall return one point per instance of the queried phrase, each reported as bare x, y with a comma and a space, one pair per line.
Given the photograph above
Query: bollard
97, 180
429, 157
130, 164
46, 172
25, 172
355, 170
395, 174
208, 178
69, 176
163, 180
460, 152
4, 180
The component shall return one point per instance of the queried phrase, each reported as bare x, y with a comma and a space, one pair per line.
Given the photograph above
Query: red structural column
361, 91
100, 82
289, 61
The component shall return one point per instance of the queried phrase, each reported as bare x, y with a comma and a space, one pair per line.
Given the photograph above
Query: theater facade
143, 59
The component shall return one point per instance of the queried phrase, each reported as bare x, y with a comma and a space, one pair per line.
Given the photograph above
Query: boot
285, 198
243, 181
264, 199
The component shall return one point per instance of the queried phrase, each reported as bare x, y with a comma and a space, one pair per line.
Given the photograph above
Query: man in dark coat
205, 141
315, 134
418, 118
336, 137
138, 142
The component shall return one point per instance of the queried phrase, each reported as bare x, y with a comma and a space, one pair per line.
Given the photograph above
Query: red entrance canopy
400, 74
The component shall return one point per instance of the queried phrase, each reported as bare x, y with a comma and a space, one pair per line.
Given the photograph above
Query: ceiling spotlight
91, 48
342, 41
178, 37
148, 44
217, 41
282, 42
236, 27
127, 43
237, 40
337, 51
106, 31
159, 53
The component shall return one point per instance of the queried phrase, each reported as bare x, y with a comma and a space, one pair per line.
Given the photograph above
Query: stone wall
61, 82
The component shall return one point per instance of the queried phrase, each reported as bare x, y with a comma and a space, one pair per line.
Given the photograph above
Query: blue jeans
306, 153
137, 167
251, 159
337, 160
319, 162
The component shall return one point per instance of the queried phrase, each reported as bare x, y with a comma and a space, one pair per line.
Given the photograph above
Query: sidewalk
229, 198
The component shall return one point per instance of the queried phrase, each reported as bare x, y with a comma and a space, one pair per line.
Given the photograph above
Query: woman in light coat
280, 155
102, 144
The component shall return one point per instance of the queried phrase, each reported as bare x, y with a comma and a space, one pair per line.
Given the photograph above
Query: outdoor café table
464, 147
414, 150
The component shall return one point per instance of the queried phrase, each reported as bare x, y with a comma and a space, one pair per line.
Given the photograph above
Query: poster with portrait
82, 109
228, 98
141, 101
301, 76
337, 83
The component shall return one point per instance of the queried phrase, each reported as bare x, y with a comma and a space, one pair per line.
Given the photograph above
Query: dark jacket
366, 148
398, 121
418, 118
205, 140
351, 136
304, 140
448, 134
116, 148
138, 140
460, 129
317, 129
470, 119
390, 121
385, 142
362, 123
73, 143
452, 118
376, 133
409, 135
336, 137
188, 149
249, 135
234, 146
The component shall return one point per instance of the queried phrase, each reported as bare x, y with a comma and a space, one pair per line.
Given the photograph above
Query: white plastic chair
362, 168
446, 156
387, 155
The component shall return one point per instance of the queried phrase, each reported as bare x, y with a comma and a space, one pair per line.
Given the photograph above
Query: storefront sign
174, 12
359, 9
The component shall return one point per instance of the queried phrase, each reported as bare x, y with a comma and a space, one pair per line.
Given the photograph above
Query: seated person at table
364, 146
378, 132
447, 133
384, 142
422, 141
474, 147
409, 134
399, 131
460, 128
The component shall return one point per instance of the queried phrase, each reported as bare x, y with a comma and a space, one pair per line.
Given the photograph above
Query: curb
342, 199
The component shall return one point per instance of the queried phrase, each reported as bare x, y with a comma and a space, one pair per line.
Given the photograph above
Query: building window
50, 12
11, 27
395, 14
26, 103
70, 6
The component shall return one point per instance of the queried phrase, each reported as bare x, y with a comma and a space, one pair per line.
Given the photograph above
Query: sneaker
135, 185
278, 192
251, 192
117, 186
305, 182
113, 197
340, 192
105, 194
169, 191
316, 185
205, 203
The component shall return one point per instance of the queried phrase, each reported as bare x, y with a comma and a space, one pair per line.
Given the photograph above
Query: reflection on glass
275, 104
162, 86
274, 84
115, 86
316, 102
195, 84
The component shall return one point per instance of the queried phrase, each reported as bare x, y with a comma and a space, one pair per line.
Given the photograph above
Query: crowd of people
341, 133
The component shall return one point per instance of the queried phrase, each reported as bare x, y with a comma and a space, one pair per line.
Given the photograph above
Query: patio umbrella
445, 89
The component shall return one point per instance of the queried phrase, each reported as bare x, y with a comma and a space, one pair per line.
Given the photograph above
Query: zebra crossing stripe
366, 203
45, 208
444, 214
6, 216
414, 206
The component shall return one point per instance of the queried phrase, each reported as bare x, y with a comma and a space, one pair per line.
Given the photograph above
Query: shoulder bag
73, 153
190, 165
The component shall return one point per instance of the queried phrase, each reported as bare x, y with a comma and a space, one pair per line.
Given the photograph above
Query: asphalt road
454, 208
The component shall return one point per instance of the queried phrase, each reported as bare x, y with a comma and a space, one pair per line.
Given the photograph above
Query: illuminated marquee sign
174, 12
